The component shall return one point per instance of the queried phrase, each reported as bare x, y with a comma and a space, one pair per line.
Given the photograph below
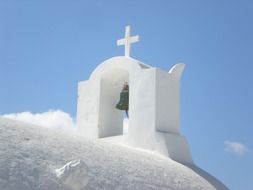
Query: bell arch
112, 74
126, 63
110, 118
97, 97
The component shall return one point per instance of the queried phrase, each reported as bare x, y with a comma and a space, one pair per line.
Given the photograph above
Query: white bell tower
154, 104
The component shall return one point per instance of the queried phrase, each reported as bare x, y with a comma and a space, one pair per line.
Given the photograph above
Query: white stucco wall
87, 108
168, 99
142, 104
154, 106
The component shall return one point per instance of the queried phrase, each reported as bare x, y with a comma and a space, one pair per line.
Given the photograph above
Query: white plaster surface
168, 99
154, 106
48, 159
87, 108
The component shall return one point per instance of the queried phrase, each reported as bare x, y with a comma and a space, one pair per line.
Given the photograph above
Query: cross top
127, 41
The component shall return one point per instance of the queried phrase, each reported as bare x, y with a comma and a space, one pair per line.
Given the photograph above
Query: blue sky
46, 47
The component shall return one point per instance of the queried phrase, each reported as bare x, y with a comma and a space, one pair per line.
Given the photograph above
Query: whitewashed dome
42, 159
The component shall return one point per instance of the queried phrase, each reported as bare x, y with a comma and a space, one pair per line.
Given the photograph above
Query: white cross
127, 41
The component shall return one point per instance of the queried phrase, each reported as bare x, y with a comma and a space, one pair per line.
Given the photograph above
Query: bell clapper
127, 114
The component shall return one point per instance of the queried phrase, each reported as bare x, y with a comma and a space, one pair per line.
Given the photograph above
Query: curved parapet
177, 70
168, 99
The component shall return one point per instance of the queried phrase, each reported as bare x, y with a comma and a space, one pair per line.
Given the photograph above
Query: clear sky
46, 47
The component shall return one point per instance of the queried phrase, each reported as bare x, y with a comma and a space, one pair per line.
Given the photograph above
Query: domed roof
43, 159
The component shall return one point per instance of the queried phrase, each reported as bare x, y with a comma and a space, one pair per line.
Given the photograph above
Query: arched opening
111, 120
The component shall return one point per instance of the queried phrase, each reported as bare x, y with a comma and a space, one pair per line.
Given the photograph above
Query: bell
124, 98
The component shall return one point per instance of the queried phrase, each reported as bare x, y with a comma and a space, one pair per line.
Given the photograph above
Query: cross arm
121, 42
134, 39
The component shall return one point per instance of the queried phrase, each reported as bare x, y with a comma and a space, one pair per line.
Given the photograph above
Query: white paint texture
154, 108
36, 158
